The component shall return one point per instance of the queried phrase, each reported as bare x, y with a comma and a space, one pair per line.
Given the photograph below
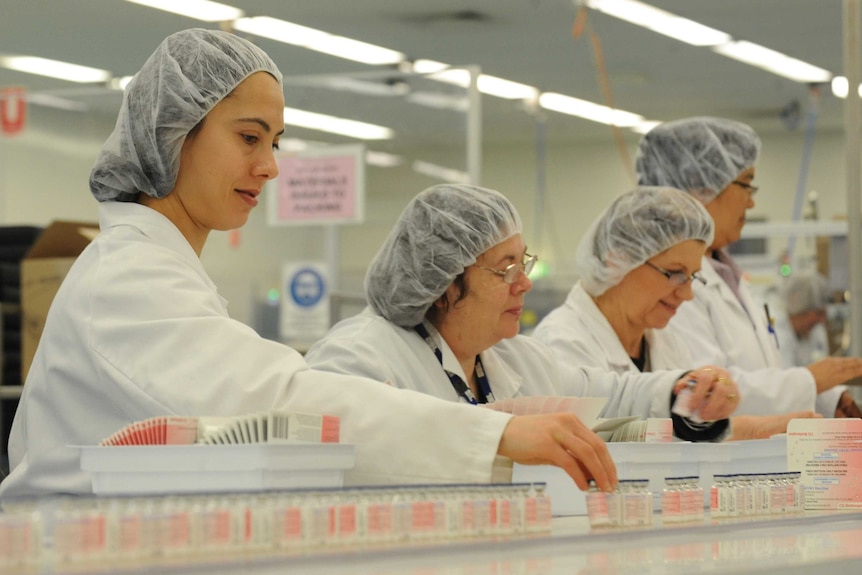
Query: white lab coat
369, 345
138, 330
717, 330
579, 333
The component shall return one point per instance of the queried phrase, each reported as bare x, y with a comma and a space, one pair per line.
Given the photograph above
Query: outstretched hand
765, 426
832, 371
563, 440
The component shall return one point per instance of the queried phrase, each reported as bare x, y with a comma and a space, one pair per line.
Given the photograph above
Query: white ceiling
527, 41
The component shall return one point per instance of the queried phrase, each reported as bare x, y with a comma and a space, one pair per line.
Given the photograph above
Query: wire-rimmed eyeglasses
511, 272
746, 186
677, 278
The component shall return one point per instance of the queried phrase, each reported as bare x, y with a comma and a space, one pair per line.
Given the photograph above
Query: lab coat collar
155, 227
504, 381
597, 323
715, 282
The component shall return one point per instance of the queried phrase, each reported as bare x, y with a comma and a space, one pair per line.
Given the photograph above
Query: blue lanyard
486, 395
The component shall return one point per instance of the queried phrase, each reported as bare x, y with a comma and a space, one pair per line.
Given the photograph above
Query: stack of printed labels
255, 452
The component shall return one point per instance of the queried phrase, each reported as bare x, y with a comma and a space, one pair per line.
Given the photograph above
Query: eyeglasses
677, 279
510, 273
746, 186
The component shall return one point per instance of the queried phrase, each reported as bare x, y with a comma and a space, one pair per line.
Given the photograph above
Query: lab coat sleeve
630, 393
403, 436
766, 391
585, 370
117, 349
400, 436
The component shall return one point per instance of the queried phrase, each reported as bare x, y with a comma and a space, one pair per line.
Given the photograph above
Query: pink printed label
828, 455
505, 514
347, 520
292, 523
379, 518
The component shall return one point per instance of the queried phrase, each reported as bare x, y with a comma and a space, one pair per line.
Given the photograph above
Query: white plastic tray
151, 469
655, 461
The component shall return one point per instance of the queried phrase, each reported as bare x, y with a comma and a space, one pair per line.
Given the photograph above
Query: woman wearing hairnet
138, 329
637, 263
446, 291
714, 159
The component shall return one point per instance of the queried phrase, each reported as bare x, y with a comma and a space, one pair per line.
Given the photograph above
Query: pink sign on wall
325, 185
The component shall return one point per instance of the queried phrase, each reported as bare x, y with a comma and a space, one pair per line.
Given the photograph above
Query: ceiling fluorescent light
454, 76
662, 22
490, 85
197, 9
588, 110
55, 69
335, 125
279, 30
317, 40
840, 87
506, 89
440, 101
774, 62
388, 88
119, 83
645, 126
382, 159
441, 173
357, 51
422, 66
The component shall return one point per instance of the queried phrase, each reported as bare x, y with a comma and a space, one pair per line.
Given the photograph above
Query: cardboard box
42, 272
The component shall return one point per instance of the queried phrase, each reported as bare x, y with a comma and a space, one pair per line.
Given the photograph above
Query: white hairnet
806, 291
438, 235
188, 74
637, 226
701, 156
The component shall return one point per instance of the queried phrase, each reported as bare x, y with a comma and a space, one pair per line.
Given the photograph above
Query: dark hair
435, 315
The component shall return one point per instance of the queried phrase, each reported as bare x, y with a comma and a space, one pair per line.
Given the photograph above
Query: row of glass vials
682, 499
747, 494
107, 533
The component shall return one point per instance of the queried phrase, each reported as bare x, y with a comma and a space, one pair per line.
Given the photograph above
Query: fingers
705, 378
560, 439
722, 400
714, 392
573, 468
585, 449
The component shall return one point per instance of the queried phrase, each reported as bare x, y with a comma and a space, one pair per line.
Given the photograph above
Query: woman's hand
560, 439
714, 394
832, 371
765, 426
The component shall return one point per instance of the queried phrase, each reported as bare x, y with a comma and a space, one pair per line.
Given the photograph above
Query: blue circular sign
307, 287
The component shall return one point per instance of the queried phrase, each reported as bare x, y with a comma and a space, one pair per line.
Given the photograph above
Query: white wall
44, 172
